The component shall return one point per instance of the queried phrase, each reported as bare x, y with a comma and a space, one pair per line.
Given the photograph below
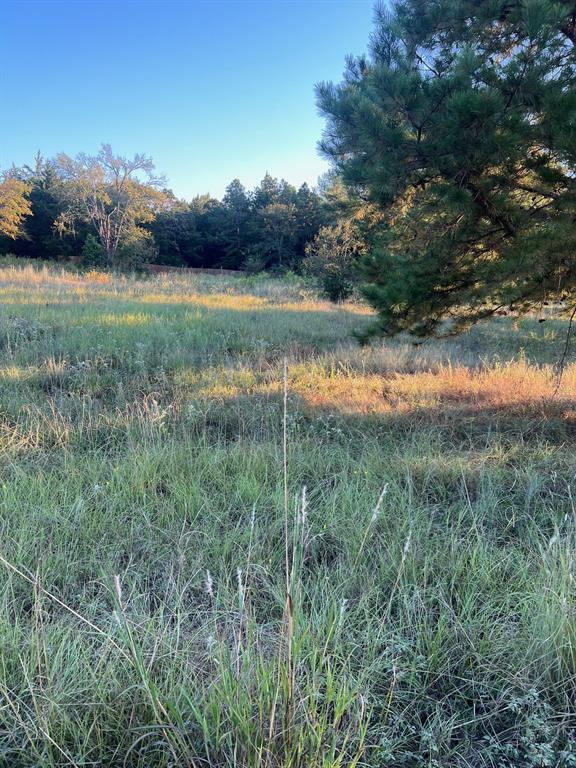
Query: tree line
108, 210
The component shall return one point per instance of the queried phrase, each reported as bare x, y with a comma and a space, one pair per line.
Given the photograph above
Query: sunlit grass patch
125, 318
15, 373
211, 301
514, 387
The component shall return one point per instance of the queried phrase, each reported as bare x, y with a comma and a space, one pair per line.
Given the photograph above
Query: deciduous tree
114, 194
14, 205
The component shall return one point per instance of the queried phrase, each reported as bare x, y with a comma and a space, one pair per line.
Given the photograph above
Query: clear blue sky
212, 90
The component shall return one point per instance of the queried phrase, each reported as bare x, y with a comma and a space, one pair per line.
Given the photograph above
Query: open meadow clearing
430, 532
288, 384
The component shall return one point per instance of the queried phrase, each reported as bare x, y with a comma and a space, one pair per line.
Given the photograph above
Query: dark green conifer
460, 125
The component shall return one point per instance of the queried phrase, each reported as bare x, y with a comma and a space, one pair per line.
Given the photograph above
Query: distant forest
76, 204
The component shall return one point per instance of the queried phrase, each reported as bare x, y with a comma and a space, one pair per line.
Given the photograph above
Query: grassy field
368, 561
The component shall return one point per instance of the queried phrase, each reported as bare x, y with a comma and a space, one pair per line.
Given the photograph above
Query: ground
394, 588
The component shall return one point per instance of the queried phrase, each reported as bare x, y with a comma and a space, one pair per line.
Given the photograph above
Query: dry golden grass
515, 387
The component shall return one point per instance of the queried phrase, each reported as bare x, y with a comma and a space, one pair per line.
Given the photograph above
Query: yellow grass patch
516, 386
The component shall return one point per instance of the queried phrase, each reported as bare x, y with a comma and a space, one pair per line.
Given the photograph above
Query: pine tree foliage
460, 126
264, 228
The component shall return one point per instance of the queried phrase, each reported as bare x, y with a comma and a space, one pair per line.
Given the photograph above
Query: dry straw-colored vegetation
426, 546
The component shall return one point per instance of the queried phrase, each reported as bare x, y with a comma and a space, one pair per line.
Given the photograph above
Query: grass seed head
209, 584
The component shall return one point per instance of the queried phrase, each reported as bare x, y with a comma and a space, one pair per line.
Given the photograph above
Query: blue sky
212, 90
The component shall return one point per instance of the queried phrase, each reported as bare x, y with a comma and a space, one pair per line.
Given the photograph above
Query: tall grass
231, 537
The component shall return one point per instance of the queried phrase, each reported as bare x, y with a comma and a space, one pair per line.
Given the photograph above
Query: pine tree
237, 205
267, 193
460, 126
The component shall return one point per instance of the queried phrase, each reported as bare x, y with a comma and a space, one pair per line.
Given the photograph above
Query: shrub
92, 253
137, 249
332, 258
254, 263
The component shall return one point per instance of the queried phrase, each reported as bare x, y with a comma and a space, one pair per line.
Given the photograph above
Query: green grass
144, 618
